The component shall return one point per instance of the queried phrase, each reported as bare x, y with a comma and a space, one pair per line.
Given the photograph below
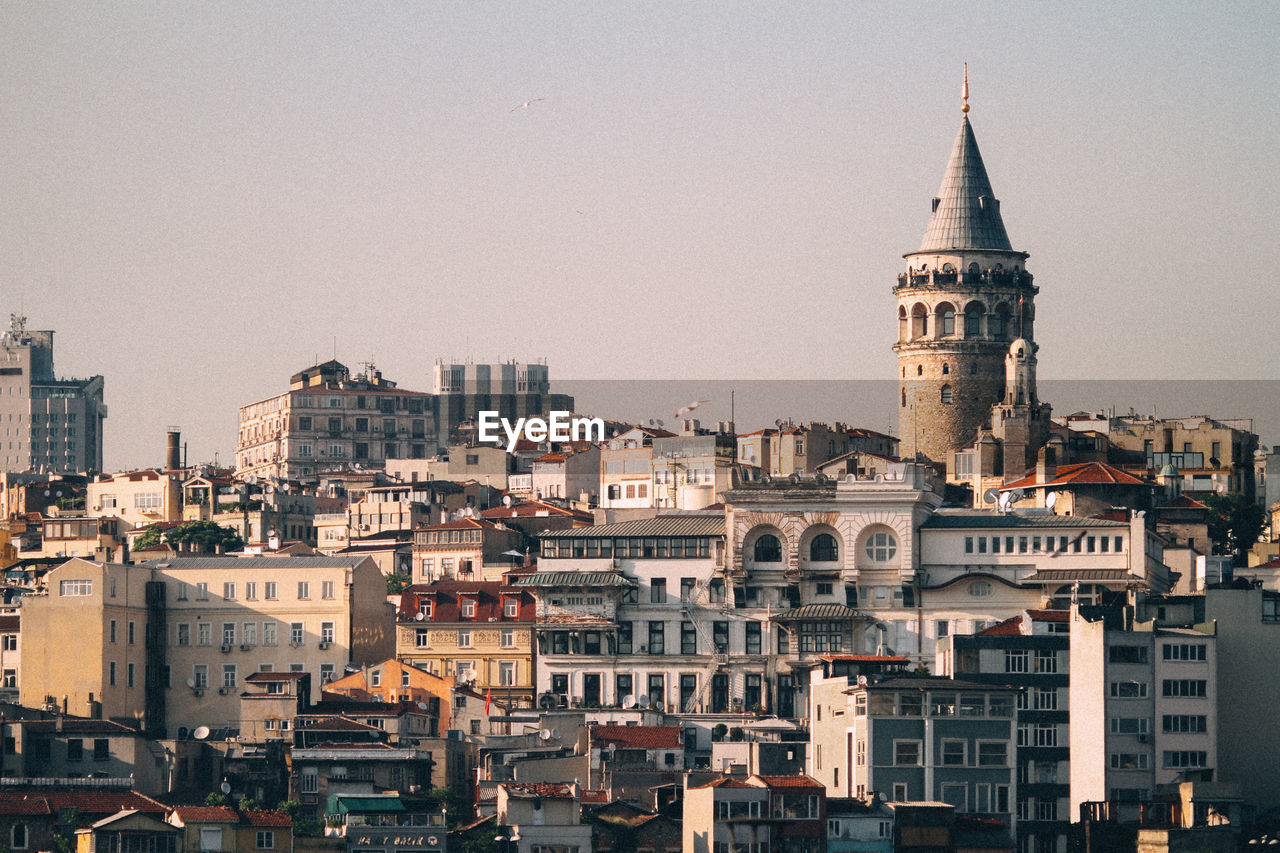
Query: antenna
991, 496
629, 701
200, 732
1050, 499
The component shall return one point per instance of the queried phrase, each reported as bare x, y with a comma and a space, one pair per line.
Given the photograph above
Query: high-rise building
49, 424
512, 389
964, 297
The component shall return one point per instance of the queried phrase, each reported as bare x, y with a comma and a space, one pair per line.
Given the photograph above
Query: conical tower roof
966, 214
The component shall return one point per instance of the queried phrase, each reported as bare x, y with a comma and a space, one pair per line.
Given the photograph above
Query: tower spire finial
964, 90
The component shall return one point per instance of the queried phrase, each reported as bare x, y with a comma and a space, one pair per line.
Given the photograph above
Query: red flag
487, 698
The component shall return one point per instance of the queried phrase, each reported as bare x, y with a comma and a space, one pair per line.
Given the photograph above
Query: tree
396, 583
149, 538
1235, 522
208, 535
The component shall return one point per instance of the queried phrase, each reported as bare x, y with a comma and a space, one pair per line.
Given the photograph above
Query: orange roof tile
638, 737
1080, 474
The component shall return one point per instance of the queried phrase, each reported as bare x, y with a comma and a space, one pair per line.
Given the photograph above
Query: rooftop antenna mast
964, 90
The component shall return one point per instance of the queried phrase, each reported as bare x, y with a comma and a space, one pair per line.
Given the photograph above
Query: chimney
173, 449
1046, 465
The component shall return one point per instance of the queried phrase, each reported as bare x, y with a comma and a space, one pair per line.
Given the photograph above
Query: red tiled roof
790, 781
637, 737
266, 818
10, 623
1050, 615
726, 782
96, 802
275, 676
1080, 474
448, 596
1011, 627
591, 797
80, 727
531, 509
1183, 502
206, 814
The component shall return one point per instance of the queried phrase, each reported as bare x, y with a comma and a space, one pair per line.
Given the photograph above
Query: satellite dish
629, 701
991, 496
652, 422
48, 493
555, 734
423, 705
660, 423
862, 680
420, 616
506, 500
252, 479
1005, 498
1050, 499
200, 733
1016, 495
470, 676
545, 734
225, 787
191, 682
644, 699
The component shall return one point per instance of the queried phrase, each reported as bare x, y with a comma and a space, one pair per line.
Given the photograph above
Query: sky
202, 199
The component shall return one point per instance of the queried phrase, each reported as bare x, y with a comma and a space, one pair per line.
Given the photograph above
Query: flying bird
689, 408
526, 104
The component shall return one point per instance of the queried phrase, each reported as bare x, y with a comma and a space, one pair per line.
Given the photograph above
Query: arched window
919, 370
904, 398
973, 369
823, 549
972, 322
946, 368
948, 268
18, 836
768, 549
946, 394
948, 321
882, 546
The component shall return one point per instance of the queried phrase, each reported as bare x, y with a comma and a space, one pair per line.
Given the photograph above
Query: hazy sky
203, 198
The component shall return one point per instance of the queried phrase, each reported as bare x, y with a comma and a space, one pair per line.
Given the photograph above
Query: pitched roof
790, 781
266, 818
966, 214
1011, 627
545, 790
660, 525
574, 579
817, 611
88, 801
79, 727
991, 519
206, 814
1080, 474
637, 737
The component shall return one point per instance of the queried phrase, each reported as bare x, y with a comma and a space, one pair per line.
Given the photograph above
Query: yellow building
139, 497
477, 634
213, 621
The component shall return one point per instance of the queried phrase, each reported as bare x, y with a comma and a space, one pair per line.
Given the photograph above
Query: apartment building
465, 549
755, 813
638, 613
137, 497
512, 389
1144, 707
626, 468
51, 424
329, 419
169, 642
10, 653
916, 738
479, 634
1210, 454
1029, 651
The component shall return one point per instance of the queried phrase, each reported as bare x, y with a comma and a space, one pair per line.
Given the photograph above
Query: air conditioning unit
244, 647
324, 644
223, 691
226, 647
197, 691
1143, 738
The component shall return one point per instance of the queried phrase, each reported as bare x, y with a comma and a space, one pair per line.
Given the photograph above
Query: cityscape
490, 606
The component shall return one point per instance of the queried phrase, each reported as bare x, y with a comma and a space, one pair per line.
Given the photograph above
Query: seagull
526, 104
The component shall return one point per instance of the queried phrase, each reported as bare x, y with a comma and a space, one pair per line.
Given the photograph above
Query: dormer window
468, 610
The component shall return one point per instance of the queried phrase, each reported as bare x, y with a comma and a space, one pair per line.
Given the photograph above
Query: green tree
1235, 522
396, 584
215, 799
206, 534
149, 538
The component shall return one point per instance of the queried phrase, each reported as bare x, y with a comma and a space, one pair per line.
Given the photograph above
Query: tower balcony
974, 278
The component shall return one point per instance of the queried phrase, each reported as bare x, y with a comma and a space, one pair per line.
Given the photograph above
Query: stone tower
964, 297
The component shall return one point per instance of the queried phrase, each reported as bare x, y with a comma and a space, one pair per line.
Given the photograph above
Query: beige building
329, 419
214, 621
82, 536
484, 463
466, 549
138, 497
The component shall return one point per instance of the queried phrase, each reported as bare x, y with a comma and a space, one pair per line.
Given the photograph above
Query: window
658, 591
204, 634
1185, 758
688, 639
297, 635
953, 753
210, 838
510, 608
993, 754
1185, 687
824, 549
506, 673
945, 396
75, 587
1127, 654
269, 633
111, 673
422, 638
657, 638
228, 633
75, 749
229, 591
202, 592
200, 675
326, 589
508, 638
184, 634
128, 674
1046, 660
269, 590
906, 752
265, 840
1184, 651
251, 590
1016, 660
1185, 723
1046, 699
229, 675
18, 836
464, 638
1046, 735
768, 549
753, 638
304, 590
326, 632
1128, 690
1129, 725
468, 609
881, 547
1128, 760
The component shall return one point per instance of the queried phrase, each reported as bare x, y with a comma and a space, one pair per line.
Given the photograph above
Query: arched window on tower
946, 394
919, 321
919, 370
972, 322
904, 398
948, 321
946, 368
